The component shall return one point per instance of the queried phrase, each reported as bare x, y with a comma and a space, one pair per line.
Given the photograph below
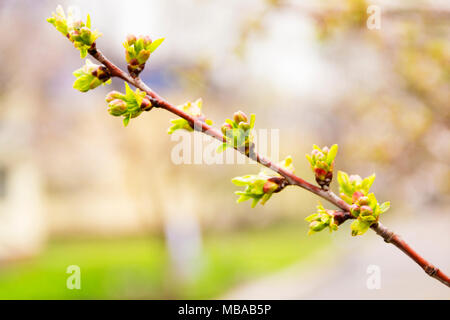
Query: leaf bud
146, 104
147, 41
225, 127
270, 187
117, 107
355, 210
356, 195
131, 39
366, 211
239, 117
317, 226
363, 201
114, 95
244, 126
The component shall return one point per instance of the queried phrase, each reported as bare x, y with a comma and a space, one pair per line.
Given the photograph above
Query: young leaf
332, 153
88, 21
385, 206
359, 227
126, 120
155, 44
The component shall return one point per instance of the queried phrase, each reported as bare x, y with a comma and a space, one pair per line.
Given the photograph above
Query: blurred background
77, 188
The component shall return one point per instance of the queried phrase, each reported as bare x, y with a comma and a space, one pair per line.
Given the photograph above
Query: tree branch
292, 179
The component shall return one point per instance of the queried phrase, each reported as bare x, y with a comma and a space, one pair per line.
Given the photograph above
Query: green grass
139, 268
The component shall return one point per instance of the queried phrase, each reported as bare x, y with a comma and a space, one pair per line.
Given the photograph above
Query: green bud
225, 127
363, 201
143, 56
244, 126
366, 211
114, 95
90, 76
322, 163
137, 52
239, 117
117, 107
355, 210
317, 226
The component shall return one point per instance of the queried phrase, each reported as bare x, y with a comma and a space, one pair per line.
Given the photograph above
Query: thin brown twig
291, 178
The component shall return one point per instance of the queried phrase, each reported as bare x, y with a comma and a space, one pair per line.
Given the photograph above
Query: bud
270, 187
114, 95
131, 39
317, 153
146, 104
78, 24
317, 226
366, 211
117, 107
147, 41
355, 210
143, 56
101, 73
322, 163
244, 126
320, 173
225, 127
354, 178
356, 195
239, 117
363, 201
85, 35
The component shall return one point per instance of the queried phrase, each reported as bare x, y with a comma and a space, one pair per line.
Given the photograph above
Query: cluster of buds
322, 163
321, 219
238, 133
80, 33
194, 109
137, 52
90, 76
260, 187
129, 105
363, 205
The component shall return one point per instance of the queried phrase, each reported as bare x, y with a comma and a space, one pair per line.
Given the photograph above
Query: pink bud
239, 117
356, 196
225, 127
131, 39
366, 211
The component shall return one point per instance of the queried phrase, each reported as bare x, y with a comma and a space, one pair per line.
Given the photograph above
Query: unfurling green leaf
359, 227
238, 132
321, 219
79, 33
155, 44
364, 205
137, 52
349, 185
260, 187
322, 164
194, 109
129, 105
385, 206
90, 76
